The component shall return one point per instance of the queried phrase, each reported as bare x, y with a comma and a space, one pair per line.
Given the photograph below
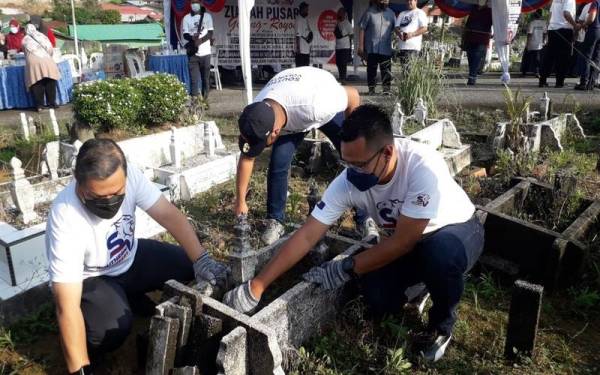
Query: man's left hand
330, 275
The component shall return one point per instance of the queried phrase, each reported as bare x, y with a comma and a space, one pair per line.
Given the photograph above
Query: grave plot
221, 340
535, 231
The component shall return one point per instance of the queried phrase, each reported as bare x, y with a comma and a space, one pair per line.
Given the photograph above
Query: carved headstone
523, 319
31, 125
51, 159
209, 139
55, 129
398, 120
22, 192
420, 112
174, 149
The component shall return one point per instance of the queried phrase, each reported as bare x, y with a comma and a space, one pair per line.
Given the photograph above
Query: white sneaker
368, 231
273, 231
436, 349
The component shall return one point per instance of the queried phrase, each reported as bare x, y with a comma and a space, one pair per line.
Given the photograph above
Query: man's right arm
242, 180
67, 297
291, 252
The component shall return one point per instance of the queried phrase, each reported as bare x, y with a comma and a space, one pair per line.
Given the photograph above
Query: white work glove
241, 298
330, 275
209, 270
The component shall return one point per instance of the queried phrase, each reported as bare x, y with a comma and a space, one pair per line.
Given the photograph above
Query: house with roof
131, 13
137, 35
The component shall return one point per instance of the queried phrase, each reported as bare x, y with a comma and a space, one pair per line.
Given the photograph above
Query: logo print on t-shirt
405, 21
120, 241
422, 200
388, 211
321, 205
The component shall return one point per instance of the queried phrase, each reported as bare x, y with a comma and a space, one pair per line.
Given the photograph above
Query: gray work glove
330, 275
241, 298
208, 269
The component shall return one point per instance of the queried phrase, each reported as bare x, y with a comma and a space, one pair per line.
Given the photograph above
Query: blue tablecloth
13, 93
172, 64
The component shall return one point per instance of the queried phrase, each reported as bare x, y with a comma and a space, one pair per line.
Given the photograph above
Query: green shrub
163, 98
106, 105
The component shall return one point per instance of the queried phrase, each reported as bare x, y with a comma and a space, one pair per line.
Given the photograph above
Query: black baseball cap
256, 123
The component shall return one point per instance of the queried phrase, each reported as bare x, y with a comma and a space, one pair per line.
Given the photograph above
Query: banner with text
272, 25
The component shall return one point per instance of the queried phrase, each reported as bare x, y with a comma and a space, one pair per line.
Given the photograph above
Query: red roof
132, 10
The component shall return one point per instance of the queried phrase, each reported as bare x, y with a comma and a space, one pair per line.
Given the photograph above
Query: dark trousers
475, 55
531, 62
105, 299
200, 74
342, 58
302, 59
385, 67
44, 87
558, 53
281, 160
405, 55
440, 261
590, 54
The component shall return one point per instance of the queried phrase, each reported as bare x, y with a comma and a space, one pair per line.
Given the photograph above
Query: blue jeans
475, 53
281, 160
590, 50
440, 261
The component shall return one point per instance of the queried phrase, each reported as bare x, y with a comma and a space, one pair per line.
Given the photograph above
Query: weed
6, 341
509, 165
516, 109
584, 300
30, 328
396, 362
419, 78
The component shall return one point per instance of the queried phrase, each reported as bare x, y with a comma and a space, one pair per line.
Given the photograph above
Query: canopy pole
75, 29
245, 7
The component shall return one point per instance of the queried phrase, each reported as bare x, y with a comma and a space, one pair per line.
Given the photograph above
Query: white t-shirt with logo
410, 21
311, 97
302, 31
536, 30
189, 25
79, 244
346, 30
557, 18
422, 188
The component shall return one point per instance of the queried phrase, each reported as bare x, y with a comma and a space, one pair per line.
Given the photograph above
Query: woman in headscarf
41, 72
14, 39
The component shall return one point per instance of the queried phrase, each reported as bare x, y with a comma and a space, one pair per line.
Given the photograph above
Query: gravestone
54, 122
24, 126
51, 159
523, 319
174, 149
163, 345
398, 120
241, 229
22, 192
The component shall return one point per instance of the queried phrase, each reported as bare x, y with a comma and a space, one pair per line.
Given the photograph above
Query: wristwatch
348, 267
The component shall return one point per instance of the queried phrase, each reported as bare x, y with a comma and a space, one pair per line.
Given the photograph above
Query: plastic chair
136, 66
96, 61
214, 67
75, 65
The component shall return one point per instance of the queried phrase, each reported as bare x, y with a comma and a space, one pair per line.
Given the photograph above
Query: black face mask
104, 208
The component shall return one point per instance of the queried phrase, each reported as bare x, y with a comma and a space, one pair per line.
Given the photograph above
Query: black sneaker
432, 345
371, 91
417, 304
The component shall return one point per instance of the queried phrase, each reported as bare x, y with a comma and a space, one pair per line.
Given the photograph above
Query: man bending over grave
292, 103
433, 239
97, 266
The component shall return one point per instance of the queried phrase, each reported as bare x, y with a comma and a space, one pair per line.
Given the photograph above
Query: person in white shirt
410, 27
536, 38
434, 236
98, 268
292, 103
343, 43
560, 41
200, 36
304, 36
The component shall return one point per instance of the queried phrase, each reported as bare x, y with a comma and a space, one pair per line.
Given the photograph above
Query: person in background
46, 30
476, 38
375, 43
201, 36
99, 270
41, 72
3, 47
590, 49
560, 41
14, 39
536, 38
304, 37
410, 27
343, 41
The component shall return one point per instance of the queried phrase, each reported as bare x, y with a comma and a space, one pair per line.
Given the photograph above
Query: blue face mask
196, 7
361, 181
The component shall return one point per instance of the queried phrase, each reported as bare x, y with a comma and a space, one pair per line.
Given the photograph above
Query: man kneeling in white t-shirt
96, 263
434, 237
